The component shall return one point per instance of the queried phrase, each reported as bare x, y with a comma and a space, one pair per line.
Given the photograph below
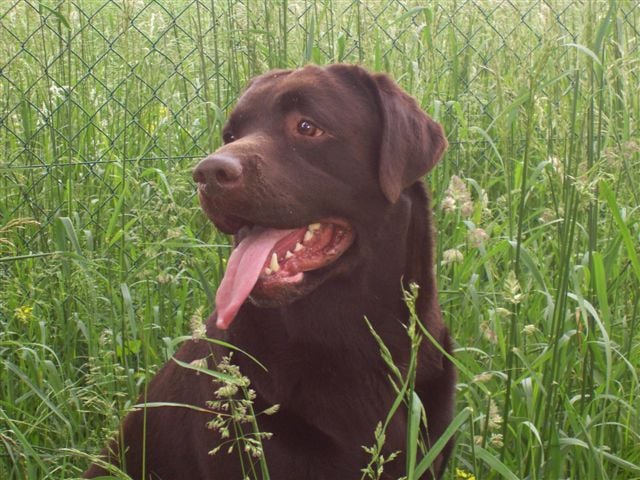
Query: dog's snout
218, 171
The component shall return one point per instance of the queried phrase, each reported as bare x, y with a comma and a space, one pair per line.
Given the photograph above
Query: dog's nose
218, 171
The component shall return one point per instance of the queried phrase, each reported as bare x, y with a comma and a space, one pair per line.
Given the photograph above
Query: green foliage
105, 257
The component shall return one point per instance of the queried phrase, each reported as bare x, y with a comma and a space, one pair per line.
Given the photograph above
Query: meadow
106, 259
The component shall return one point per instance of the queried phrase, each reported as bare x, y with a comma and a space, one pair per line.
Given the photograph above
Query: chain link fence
107, 105
95, 92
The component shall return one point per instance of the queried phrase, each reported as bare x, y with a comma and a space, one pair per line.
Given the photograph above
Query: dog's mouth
269, 262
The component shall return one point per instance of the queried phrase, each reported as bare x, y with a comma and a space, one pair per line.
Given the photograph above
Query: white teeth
298, 247
311, 230
274, 265
268, 271
288, 254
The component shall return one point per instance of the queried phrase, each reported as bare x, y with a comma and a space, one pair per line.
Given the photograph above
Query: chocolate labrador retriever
320, 182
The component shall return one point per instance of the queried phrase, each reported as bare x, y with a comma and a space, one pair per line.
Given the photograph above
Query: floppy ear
411, 142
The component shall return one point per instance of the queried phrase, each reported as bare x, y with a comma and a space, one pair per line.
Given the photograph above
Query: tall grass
106, 106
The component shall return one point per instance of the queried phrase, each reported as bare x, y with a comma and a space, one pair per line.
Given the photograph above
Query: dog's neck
305, 352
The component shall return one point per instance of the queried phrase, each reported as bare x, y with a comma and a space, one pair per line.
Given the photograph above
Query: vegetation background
105, 106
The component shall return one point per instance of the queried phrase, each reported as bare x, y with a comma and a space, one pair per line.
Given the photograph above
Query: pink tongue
243, 269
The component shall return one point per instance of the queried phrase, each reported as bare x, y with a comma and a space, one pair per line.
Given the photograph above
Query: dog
319, 181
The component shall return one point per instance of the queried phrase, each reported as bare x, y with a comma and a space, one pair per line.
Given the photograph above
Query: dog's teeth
274, 265
298, 247
314, 227
288, 254
307, 236
268, 271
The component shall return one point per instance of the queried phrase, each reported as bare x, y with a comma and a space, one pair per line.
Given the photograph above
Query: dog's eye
308, 129
228, 137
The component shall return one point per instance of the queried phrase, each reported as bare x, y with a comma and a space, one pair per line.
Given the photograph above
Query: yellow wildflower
464, 475
24, 313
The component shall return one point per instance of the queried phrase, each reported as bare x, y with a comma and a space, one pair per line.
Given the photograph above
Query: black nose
218, 171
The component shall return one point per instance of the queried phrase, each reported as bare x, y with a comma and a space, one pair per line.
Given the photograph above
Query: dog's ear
411, 144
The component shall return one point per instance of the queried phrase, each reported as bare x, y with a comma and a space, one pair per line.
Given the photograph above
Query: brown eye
308, 129
228, 137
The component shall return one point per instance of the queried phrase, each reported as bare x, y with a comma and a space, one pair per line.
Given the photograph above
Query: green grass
104, 255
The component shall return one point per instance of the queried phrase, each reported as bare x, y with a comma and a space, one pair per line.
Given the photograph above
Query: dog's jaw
278, 266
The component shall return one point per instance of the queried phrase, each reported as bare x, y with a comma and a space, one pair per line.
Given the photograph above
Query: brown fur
323, 365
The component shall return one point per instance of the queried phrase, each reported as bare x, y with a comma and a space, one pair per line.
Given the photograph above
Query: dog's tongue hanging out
277, 258
243, 269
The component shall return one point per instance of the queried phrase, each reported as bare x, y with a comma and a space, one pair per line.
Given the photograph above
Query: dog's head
310, 157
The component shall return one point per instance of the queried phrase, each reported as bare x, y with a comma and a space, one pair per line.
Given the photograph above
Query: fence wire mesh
95, 92
106, 105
